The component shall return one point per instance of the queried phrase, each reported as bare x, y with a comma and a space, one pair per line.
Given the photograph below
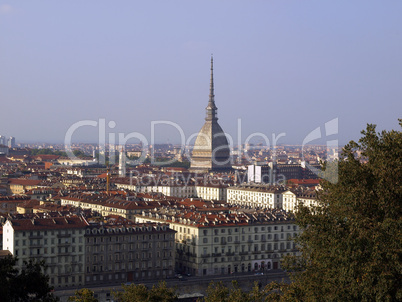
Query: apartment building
19, 186
57, 240
216, 243
266, 196
81, 253
157, 184
211, 191
122, 252
124, 206
9, 204
255, 195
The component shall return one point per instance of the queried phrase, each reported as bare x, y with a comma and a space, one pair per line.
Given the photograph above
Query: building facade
218, 244
59, 241
128, 252
81, 253
253, 195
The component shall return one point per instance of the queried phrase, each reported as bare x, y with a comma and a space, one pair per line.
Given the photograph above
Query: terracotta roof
29, 203
24, 182
45, 157
72, 222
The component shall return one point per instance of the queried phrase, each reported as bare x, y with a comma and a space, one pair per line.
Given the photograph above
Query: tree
351, 243
217, 292
140, 293
31, 284
83, 295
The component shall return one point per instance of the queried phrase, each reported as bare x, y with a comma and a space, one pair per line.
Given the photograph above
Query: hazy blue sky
280, 66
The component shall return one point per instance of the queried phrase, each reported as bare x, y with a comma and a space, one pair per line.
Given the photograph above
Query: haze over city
279, 66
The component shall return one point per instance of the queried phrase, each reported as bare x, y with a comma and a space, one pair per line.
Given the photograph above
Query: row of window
256, 229
53, 232
131, 265
45, 250
224, 240
130, 256
126, 238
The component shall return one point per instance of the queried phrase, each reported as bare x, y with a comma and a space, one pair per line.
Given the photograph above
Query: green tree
217, 292
351, 243
83, 295
163, 293
140, 293
31, 284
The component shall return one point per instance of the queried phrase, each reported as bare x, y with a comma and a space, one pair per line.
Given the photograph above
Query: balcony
230, 254
32, 245
64, 244
237, 241
216, 254
63, 235
243, 253
35, 236
250, 241
223, 242
256, 252
64, 253
205, 255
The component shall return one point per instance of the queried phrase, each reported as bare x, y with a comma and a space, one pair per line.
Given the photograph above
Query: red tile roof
24, 182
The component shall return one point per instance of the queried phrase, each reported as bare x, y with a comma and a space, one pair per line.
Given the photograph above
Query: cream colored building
211, 192
289, 201
19, 186
265, 196
262, 196
168, 189
107, 205
216, 244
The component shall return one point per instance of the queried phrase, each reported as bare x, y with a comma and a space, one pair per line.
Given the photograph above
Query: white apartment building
289, 201
261, 196
211, 192
167, 188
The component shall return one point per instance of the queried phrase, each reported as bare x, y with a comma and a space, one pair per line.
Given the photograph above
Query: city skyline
279, 68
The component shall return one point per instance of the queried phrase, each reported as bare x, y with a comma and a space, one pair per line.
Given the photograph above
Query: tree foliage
351, 243
140, 293
29, 284
83, 295
273, 292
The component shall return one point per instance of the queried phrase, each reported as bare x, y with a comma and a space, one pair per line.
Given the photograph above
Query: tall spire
211, 108
211, 85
